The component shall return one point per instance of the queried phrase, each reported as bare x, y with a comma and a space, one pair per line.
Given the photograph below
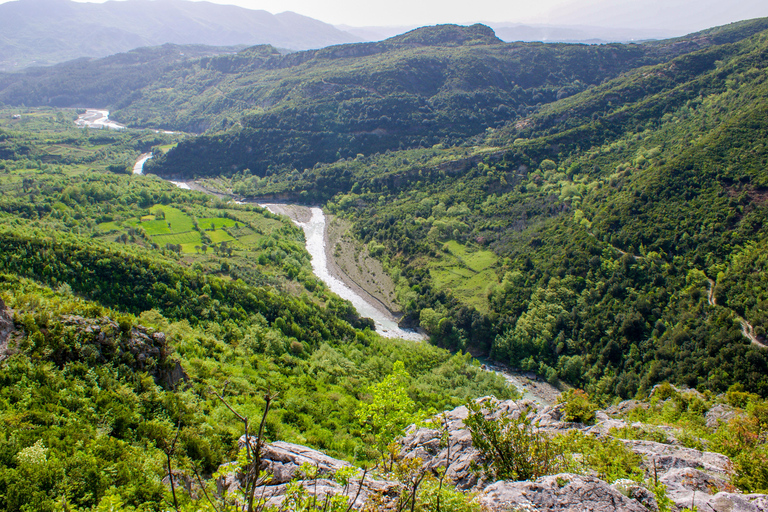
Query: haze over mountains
44, 32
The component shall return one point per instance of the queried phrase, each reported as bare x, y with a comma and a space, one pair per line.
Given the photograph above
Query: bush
512, 447
578, 406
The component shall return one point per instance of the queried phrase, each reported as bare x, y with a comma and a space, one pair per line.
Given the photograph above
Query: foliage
577, 406
390, 410
511, 445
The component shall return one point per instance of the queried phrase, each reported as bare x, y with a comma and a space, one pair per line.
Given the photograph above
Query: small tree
513, 448
390, 410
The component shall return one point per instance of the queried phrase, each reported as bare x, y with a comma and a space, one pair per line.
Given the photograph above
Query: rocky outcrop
280, 463
563, 492
102, 340
692, 476
718, 414
6, 330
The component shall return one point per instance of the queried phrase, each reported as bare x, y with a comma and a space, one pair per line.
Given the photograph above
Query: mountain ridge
45, 32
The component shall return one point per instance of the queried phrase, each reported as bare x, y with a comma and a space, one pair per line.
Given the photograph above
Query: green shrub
513, 448
578, 407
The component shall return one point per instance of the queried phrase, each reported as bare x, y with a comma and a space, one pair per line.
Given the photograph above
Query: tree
390, 410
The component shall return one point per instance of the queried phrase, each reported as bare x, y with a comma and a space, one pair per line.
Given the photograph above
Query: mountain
612, 238
575, 34
44, 32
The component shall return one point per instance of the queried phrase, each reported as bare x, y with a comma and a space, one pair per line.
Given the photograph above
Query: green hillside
592, 214
607, 213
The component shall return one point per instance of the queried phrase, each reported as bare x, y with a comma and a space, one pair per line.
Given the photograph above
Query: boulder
282, 460
280, 464
658, 458
565, 492
718, 414
688, 487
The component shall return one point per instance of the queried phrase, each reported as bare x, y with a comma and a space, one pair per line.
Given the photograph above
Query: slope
606, 212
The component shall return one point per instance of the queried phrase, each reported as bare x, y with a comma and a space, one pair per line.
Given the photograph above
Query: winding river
314, 233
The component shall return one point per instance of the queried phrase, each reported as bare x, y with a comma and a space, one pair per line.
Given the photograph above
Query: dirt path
747, 330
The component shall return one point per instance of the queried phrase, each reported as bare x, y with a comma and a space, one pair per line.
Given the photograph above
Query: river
314, 233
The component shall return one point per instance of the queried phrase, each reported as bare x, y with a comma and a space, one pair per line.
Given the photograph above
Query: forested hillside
594, 215
128, 304
580, 241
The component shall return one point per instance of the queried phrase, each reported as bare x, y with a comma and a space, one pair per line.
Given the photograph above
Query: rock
282, 460
424, 443
659, 458
6, 329
720, 413
637, 492
688, 487
625, 407
563, 492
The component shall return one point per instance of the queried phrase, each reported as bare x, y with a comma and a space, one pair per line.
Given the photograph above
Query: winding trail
747, 330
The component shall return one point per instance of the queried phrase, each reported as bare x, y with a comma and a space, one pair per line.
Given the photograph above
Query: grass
188, 237
109, 226
219, 236
219, 222
468, 274
155, 227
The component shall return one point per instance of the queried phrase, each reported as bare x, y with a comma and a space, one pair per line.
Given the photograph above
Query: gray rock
720, 413
637, 492
280, 464
688, 487
564, 492
625, 407
7, 328
659, 458
283, 460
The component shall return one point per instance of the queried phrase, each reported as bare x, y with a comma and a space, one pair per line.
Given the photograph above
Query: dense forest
591, 214
583, 241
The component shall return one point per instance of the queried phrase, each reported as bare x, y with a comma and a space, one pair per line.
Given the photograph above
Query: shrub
578, 406
513, 448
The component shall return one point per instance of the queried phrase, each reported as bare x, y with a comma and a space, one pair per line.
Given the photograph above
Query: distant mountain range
44, 32
513, 32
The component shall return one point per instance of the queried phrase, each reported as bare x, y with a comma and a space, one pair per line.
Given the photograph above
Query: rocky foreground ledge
693, 478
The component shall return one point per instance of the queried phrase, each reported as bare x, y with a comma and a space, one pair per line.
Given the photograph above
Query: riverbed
94, 118
313, 222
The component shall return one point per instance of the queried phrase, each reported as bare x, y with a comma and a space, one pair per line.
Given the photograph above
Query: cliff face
692, 478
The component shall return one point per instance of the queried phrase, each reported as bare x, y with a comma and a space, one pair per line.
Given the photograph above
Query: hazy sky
682, 15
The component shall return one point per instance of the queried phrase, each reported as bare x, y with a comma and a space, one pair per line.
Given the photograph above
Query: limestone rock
688, 487
282, 460
637, 492
718, 414
280, 464
7, 329
660, 458
565, 492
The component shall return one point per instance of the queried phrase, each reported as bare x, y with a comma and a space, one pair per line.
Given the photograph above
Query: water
138, 167
314, 232
94, 118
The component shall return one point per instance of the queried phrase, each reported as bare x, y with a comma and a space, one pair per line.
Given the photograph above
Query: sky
678, 15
